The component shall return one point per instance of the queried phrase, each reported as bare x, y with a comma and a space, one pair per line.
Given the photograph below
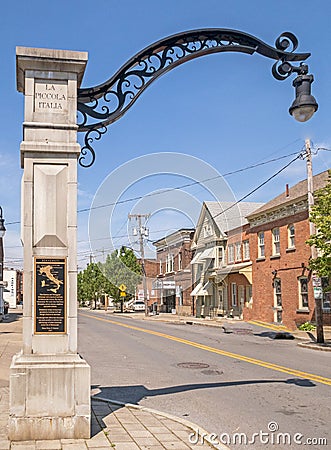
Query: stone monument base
49, 397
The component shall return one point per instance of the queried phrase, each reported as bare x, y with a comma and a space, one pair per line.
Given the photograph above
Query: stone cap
46, 59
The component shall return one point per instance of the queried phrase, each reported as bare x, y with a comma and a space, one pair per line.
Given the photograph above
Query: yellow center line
258, 362
269, 326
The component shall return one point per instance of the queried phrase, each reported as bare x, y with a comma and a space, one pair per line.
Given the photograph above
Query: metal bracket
102, 105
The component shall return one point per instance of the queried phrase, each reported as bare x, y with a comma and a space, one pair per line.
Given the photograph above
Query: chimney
287, 190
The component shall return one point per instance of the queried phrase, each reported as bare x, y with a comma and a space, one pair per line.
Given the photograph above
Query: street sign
317, 281
169, 284
122, 294
122, 287
318, 293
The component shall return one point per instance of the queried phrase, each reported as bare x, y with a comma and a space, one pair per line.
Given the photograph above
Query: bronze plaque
50, 296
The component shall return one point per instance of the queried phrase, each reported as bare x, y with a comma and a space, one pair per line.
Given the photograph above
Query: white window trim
276, 241
234, 294
261, 244
170, 263
246, 250
278, 293
291, 236
238, 256
179, 261
231, 254
301, 305
220, 256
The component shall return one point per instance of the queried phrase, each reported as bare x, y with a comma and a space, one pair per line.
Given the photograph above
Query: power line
193, 183
252, 166
260, 185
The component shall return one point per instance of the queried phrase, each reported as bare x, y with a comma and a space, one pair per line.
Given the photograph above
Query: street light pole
2, 233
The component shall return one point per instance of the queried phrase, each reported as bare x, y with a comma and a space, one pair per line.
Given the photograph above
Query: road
226, 383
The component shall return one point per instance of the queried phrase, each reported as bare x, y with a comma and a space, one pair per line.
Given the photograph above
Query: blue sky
224, 109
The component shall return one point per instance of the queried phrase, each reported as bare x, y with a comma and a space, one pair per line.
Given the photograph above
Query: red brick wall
288, 267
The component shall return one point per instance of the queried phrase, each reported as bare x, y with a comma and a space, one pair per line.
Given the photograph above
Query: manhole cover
193, 365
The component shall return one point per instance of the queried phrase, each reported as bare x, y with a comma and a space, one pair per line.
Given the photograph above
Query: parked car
139, 305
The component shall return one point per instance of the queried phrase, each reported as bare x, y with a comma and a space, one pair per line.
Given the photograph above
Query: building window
326, 301
303, 292
220, 257
261, 252
234, 294
276, 242
231, 253
291, 236
238, 251
248, 293
179, 261
160, 267
207, 230
277, 292
170, 263
246, 250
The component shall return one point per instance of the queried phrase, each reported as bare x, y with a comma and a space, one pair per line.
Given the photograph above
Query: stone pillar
49, 381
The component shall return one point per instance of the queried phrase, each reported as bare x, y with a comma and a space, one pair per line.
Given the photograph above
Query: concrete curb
314, 346
198, 430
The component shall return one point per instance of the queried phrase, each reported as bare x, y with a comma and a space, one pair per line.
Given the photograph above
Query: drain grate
193, 365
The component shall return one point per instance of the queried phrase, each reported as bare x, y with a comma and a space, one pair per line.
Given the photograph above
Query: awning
202, 290
247, 272
196, 289
196, 257
241, 268
209, 253
200, 257
207, 289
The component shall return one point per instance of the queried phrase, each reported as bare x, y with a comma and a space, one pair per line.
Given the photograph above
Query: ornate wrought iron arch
102, 105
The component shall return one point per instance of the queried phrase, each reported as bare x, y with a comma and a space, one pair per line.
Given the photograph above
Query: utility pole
142, 231
312, 230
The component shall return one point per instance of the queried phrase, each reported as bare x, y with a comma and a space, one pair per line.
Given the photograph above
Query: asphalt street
241, 382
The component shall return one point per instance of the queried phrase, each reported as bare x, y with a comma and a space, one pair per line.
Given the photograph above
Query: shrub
307, 326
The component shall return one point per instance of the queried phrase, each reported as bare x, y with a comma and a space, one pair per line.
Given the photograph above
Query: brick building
173, 284
13, 293
282, 287
151, 271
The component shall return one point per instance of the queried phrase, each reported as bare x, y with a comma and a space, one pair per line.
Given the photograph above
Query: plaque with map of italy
50, 295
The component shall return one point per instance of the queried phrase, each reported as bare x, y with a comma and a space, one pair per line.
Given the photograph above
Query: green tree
91, 284
122, 267
321, 217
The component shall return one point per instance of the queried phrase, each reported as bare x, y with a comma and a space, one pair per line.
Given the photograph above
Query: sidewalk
306, 339
114, 425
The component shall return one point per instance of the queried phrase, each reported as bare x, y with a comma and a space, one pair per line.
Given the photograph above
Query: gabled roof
230, 215
225, 216
299, 190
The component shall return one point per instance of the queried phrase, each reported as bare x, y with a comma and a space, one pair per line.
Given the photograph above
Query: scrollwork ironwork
121, 91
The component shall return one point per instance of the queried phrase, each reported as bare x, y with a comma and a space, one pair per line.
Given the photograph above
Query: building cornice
282, 211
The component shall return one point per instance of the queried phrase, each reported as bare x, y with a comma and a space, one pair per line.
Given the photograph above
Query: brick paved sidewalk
113, 425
